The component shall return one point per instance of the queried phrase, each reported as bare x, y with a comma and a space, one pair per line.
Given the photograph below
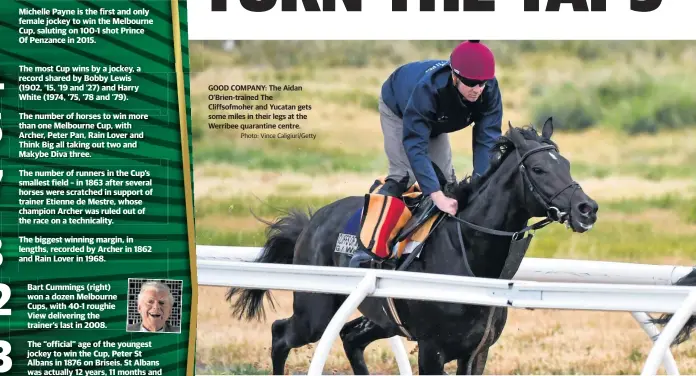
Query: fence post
669, 333
364, 288
400, 355
650, 328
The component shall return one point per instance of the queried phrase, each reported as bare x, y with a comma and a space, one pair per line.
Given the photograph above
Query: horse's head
548, 189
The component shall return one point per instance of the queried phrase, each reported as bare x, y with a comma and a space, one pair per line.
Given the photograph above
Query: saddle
393, 224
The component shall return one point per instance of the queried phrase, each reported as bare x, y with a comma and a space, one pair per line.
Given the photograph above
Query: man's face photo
154, 308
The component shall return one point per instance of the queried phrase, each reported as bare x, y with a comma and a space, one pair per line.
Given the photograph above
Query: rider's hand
444, 203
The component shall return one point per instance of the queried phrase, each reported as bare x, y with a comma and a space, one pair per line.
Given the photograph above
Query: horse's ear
515, 136
547, 130
511, 129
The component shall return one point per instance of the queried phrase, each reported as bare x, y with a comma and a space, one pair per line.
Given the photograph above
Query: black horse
528, 178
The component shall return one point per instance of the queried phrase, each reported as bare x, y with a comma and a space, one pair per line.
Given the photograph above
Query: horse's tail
690, 325
278, 249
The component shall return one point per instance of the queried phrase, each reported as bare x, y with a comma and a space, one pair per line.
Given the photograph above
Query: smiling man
155, 303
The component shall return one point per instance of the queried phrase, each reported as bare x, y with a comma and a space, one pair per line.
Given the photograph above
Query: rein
517, 235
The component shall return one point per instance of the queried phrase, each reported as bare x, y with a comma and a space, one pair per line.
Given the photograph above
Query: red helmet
473, 60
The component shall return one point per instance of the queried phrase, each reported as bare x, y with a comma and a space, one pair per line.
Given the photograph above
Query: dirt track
534, 342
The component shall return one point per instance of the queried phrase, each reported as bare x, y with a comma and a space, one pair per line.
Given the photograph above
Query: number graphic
4, 297
5, 360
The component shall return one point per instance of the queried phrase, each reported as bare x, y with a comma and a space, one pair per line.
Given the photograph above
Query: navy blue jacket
423, 95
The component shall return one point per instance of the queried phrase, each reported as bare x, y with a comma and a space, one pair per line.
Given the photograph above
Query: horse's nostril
585, 208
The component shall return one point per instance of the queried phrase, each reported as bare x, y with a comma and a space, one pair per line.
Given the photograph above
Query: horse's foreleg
431, 360
356, 335
312, 313
474, 364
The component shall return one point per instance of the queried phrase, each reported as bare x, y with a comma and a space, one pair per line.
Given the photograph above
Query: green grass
581, 170
236, 369
643, 170
337, 161
641, 104
683, 208
268, 206
283, 54
359, 98
286, 158
610, 239
208, 236
327, 161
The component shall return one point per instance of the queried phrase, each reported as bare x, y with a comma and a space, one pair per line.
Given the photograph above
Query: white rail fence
540, 283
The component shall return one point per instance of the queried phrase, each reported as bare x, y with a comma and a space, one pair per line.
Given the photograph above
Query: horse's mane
465, 188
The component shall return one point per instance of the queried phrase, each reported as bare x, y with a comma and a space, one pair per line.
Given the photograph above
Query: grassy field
625, 119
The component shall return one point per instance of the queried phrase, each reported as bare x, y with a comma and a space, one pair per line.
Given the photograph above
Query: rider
420, 103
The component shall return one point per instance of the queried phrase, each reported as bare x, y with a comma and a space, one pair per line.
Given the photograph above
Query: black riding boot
393, 188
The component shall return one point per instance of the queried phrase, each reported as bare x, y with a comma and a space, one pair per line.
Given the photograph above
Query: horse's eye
537, 170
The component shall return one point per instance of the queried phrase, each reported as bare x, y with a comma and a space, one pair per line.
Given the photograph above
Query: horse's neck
497, 206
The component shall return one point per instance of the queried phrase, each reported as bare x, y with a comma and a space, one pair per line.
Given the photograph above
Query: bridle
553, 214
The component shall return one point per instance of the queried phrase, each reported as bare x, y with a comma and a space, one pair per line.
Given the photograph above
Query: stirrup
359, 259
386, 264
363, 259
